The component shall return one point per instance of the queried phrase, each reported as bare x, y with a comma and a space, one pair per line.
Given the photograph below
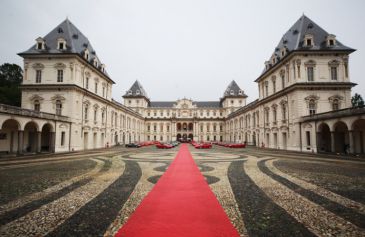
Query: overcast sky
187, 48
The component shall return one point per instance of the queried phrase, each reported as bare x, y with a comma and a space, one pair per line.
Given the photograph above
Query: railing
30, 113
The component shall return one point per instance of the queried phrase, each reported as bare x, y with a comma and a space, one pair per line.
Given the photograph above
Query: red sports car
164, 146
203, 145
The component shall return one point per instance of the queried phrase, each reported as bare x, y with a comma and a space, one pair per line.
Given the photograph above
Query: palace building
304, 101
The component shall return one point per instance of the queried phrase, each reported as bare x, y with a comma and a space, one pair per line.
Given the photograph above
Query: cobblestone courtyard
264, 192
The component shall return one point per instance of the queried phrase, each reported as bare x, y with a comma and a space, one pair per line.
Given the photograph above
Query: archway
30, 140
9, 136
184, 137
178, 126
324, 138
185, 126
341, 137
46, 138
191, 137
254, 138
358, 133
191, 126
178, 137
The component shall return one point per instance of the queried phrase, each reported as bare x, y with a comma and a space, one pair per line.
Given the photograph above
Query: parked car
202, 145
164, 146
134, 145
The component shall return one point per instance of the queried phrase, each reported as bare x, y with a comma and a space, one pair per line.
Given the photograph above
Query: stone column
39, 141
20, 141
351, 142
333, 144
11, 142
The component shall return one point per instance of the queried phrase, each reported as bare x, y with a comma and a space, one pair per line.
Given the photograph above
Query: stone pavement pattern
263, 192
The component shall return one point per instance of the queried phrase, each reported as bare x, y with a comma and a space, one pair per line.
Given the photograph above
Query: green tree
11, 76
357, 101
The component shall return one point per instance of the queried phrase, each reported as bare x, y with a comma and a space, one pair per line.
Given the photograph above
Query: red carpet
180, 204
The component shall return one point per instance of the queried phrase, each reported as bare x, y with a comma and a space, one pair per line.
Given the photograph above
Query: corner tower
233, 98
136, 97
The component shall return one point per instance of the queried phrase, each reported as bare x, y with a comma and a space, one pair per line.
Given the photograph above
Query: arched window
58, 107
37, 105
312, 107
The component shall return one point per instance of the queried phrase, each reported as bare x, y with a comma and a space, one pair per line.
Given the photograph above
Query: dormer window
61, 44
240, 92
137, 92
86, 54
129, 92
308, 40
40, 44
231, 92
331, 40
96, 64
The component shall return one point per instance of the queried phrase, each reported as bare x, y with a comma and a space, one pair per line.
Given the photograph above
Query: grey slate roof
76, 43
233, 90
199, 104
162, 104
136, 90
207, 104
293, 39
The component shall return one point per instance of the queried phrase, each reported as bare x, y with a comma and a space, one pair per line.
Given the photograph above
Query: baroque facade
304, 101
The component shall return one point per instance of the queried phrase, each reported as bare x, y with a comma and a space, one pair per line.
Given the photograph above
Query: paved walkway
180, 204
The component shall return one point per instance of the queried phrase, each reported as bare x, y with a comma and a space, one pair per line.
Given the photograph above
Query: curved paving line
38, 195
205, 168
262, 217
342, 211
94, 218
162, 168
21, 211
349, 203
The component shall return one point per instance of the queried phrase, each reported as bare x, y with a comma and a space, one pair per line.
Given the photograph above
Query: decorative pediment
283, 102
58, 97
60, 66
333, 63
87, 73
36, 97
274, 106
335, 97
86, 102
273, 78
282, 72
96, 106
38, 66
298, 62
310, 63
311, 97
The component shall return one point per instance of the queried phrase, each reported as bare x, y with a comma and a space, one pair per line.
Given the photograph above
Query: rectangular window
96, 87
38, 76
310, 73
95, 113
87, 83
61, 46
58, 108
59, 75
103, 91
63, 138
274, 86
308, 137
37, 107
85, 113
334, 73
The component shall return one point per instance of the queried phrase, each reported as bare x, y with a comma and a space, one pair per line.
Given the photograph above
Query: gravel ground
18, 182
263, 192
346, 180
